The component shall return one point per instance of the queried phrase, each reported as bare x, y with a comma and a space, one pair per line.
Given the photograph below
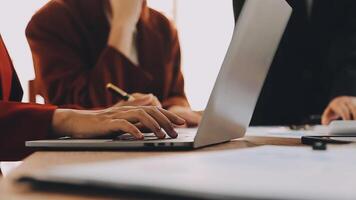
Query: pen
117, 91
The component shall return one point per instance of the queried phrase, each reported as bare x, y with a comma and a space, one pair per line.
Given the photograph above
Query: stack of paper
268, 172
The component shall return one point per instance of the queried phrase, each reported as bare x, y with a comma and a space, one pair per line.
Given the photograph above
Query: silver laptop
254, 43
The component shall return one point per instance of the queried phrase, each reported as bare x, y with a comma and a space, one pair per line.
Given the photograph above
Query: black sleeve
237, 5
342, 52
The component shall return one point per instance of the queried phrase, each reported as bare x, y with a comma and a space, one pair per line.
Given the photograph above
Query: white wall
14, 16
205, 28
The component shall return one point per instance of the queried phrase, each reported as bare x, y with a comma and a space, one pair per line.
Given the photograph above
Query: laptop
231, 104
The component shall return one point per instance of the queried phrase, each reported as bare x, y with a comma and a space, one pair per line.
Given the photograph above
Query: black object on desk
330, 139
320, 142
319, 146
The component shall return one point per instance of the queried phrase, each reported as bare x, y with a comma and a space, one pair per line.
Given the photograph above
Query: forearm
68, 122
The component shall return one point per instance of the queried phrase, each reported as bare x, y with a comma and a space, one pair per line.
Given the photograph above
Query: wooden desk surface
44, 159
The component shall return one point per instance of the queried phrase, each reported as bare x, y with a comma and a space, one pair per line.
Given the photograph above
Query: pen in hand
135, 99
117, 91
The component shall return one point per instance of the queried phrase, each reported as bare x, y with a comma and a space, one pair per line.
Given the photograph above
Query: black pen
117, 91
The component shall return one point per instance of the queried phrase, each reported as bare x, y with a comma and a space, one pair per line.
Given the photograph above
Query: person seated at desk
79, 46
20, 122
314, 70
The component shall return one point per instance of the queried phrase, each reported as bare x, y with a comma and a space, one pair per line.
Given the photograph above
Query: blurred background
204, 36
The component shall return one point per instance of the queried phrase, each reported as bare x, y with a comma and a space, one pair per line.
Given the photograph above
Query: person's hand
113, 120
191, 118
341, 107
138, 99
125, 12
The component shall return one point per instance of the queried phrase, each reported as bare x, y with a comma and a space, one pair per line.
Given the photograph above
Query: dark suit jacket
19, 122
73, 62
315, 62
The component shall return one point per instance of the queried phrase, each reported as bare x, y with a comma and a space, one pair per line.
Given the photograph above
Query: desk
44, 159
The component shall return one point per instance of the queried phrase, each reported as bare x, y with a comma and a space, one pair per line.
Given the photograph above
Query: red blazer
19, 122
73, 62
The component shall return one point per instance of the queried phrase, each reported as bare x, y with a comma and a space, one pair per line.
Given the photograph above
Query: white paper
286, 132
263, 172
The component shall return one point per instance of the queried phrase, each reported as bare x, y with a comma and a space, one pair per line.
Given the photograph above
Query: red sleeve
20, 122
62, 64
176, 95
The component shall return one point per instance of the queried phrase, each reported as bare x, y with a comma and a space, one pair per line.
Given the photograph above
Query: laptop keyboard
148, 137
182, 133
128, 137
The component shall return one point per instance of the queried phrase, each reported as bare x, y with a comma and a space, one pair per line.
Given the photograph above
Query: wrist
61, 117
127, 24
76, 123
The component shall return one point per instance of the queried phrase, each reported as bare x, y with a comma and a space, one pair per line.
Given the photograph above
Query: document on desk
268, 172
286, 132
